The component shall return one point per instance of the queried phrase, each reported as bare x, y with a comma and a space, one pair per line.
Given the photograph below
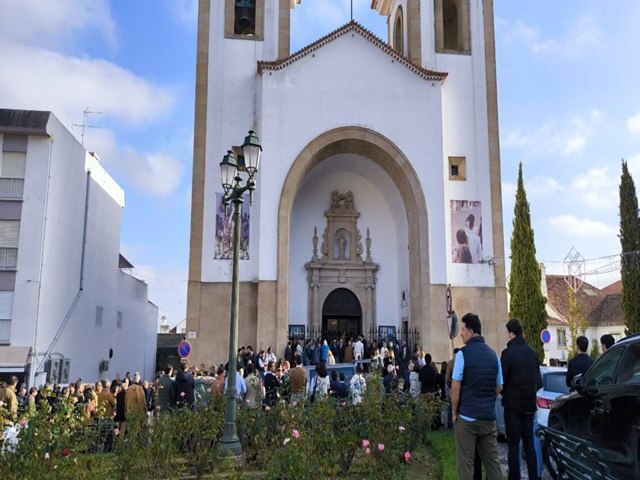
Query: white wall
48, 294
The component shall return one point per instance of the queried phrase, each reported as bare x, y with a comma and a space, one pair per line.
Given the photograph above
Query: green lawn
443, 445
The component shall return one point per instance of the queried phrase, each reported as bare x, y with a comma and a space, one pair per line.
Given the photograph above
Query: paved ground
502, 456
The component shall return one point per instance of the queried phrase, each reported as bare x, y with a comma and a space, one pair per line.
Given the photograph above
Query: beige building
379, 184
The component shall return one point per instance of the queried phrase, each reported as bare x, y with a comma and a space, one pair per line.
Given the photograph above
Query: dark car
604, 409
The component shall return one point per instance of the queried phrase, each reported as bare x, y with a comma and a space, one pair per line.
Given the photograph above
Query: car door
619, 429
597, 387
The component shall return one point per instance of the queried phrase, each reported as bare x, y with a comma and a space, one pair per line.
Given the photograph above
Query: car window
603, 371
555, 382
630, 365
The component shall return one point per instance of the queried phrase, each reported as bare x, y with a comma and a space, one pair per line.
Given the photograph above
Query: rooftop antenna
84, 125
352, 10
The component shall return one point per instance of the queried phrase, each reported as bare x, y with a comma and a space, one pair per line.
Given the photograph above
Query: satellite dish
453, 331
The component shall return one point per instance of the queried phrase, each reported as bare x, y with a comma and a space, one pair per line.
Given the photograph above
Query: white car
553, 385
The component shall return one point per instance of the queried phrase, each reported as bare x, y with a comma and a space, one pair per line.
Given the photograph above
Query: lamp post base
232, 453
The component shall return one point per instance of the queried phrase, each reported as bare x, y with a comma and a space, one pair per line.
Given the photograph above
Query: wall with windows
68, 301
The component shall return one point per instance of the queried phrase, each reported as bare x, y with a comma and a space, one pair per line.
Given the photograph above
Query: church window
398, 33
457, 168
453, 26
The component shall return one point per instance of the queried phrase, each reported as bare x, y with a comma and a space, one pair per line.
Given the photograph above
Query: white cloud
45, 80
572, 226
633, 123
597, 188
582, 38
567, 137
55, 24
154, 173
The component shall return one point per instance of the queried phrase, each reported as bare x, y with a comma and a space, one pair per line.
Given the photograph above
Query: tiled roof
597, 307
613, 289
352, 26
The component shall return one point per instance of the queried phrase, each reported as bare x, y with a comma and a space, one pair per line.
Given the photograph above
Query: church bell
245, 17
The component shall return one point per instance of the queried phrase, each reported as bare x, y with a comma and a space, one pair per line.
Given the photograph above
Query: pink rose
367, 451
182, 394
23, 422
209, 390
116, 431
401, 429
296, 434
381, 447
365, 443
407, 456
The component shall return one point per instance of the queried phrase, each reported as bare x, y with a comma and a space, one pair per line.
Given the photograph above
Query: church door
341, 315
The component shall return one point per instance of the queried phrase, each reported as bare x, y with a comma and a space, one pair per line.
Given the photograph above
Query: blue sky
569, 106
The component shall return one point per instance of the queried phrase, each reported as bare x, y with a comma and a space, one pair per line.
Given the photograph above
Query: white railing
8, 258
11, 188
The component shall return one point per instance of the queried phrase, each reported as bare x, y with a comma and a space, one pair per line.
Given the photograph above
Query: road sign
545, 336
184, 349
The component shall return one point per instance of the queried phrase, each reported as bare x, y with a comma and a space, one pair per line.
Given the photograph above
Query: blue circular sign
184, 349
545, 336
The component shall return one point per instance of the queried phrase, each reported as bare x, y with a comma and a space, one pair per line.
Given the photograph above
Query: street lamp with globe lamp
234, 190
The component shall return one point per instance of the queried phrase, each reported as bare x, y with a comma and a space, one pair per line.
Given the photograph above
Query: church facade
379, 185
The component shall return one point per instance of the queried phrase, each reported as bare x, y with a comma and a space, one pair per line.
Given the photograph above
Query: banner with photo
224, 230
466, 232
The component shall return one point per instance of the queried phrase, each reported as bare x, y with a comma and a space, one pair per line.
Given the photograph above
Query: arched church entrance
324, 245
341, 314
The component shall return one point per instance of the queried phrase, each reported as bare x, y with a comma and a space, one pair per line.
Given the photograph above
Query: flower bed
380, 438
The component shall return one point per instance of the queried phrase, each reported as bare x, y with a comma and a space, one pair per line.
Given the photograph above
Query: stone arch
398, 32
391, 159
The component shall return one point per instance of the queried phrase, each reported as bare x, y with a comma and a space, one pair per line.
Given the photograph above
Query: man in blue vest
476, 381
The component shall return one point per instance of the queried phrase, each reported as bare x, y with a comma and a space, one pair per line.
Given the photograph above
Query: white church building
69, 306
379, 184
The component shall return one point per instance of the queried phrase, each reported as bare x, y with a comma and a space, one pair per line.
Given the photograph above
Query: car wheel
551, 460
550, 456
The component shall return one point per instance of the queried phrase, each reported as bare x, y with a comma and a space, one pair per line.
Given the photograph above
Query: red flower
65, 452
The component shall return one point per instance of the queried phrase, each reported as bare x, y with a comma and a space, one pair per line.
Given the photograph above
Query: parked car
604, 409
553, 385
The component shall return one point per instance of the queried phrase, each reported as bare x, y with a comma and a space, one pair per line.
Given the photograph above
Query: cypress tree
630, 258
526, 300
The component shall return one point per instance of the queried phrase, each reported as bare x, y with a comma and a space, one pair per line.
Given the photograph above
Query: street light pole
234, 191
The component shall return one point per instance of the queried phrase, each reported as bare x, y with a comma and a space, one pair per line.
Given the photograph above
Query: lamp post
234, 190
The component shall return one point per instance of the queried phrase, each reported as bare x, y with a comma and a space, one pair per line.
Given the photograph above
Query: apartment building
69, 305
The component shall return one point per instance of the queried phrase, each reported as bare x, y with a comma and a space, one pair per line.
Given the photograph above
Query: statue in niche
358, 243
341, 251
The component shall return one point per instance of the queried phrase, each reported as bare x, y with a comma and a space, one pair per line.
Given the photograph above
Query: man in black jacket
581, 362
522, 379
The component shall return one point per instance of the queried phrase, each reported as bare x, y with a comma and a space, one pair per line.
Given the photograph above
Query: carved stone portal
340, 264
